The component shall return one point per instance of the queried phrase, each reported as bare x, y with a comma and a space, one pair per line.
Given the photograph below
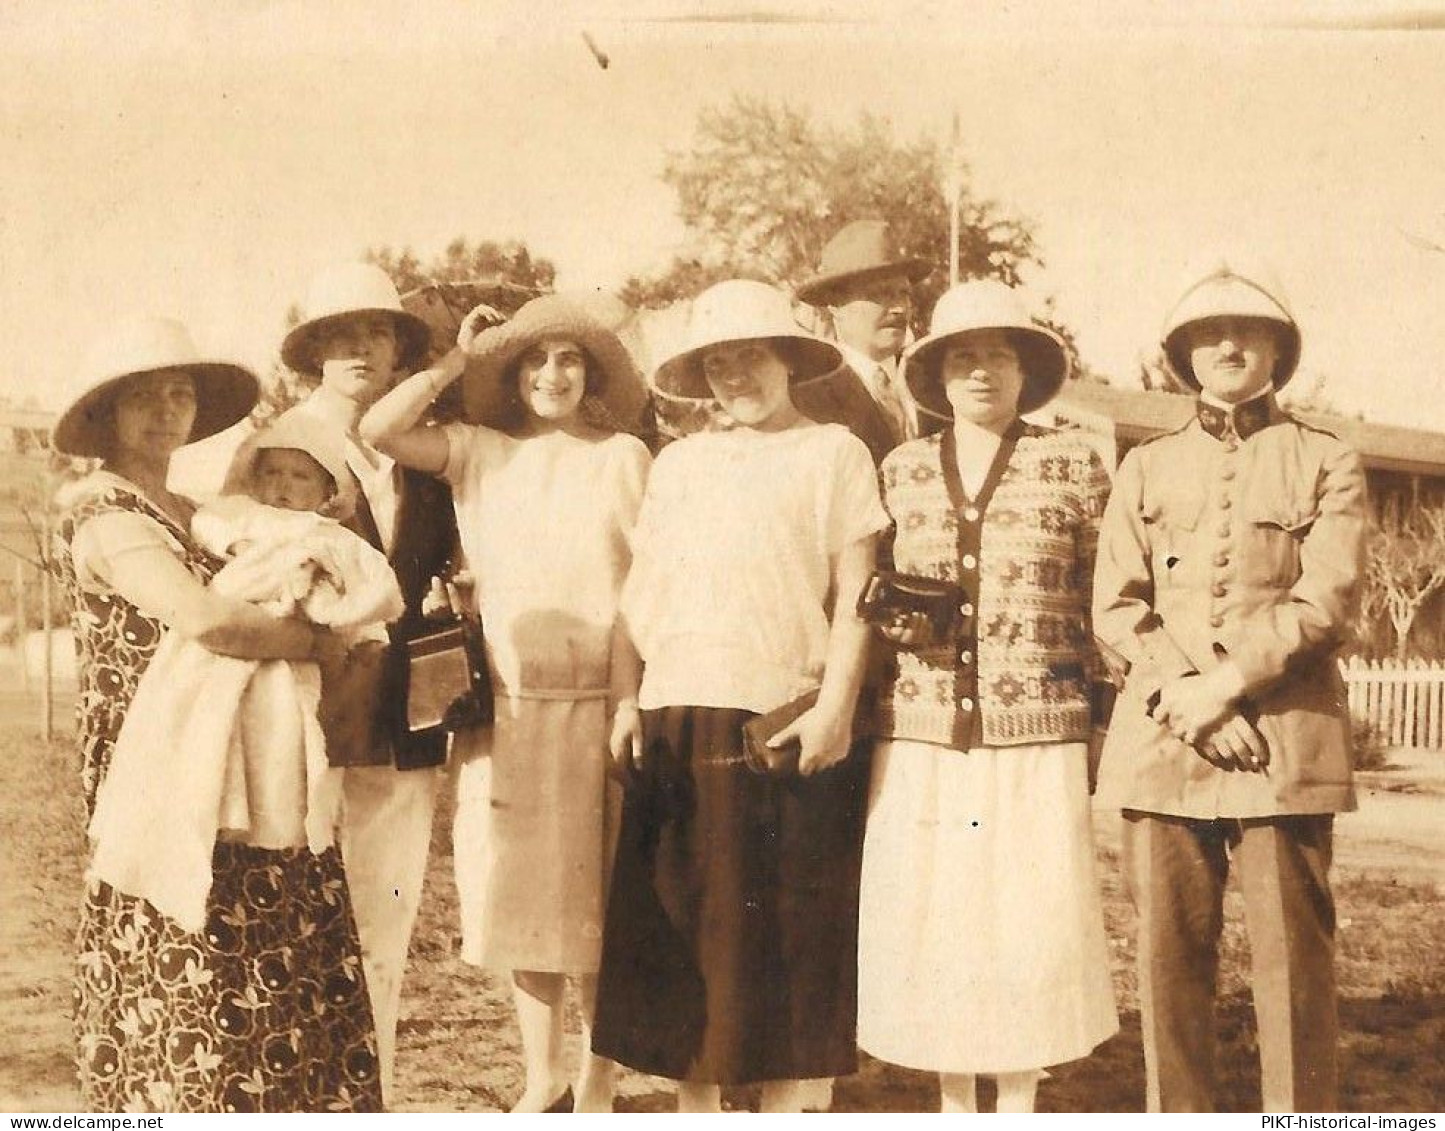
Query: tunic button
966, 609
1221, 559
1224, 530
1227, 473
1219, 590
965, 704
969, 561
1225, 503
965, 657
1216, 621
970, 514
1230, 445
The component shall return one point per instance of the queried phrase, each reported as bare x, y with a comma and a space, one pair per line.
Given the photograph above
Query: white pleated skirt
981, 930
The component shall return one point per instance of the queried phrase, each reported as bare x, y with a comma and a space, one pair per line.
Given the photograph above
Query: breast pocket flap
1176, 511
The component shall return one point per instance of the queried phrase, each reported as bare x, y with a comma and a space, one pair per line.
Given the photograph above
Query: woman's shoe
562, 1103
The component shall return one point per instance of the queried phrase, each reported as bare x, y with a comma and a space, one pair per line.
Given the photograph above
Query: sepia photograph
706, 555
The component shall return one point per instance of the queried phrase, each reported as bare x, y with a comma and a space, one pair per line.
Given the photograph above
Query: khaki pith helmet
986, 304
1232, 287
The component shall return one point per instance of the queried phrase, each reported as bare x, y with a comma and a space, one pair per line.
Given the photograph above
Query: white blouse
733, 556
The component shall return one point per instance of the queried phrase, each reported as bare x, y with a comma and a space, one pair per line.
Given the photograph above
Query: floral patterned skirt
265, 1010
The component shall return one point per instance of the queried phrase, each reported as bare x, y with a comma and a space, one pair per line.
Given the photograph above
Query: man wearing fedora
863, 284
1229, 562
356, 340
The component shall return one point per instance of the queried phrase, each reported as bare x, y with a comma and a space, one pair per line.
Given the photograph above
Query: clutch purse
447, 687
764, 759
890, 596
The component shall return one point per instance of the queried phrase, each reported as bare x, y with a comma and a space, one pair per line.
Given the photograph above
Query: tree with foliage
764, 187
1404, 565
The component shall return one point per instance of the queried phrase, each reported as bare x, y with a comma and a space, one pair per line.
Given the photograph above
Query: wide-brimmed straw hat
1231, 286
225, 392
345, 291
741, 310
489, 393
863, 250
986, 304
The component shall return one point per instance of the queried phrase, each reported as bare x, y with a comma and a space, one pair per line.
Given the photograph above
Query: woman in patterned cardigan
265, 1008
981, 933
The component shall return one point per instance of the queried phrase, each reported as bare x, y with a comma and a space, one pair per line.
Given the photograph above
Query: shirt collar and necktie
884, 382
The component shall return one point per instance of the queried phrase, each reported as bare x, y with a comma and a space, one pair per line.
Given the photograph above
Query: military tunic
1232, 540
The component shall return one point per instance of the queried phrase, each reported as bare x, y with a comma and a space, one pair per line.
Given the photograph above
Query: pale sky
202, 160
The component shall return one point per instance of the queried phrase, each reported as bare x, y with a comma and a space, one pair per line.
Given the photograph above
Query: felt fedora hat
343, 291
1231, 286
986, 304
615, 386
225, 392
863, 250
741, 310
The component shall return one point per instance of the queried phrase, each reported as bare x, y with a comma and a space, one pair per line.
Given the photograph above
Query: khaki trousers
1176, 870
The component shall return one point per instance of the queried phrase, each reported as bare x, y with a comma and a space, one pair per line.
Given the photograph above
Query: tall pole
47, 710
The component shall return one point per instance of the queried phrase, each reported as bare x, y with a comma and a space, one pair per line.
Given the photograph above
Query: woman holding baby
264, 1008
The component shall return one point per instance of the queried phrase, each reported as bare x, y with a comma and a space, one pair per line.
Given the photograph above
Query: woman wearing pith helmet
728, 955
264, 1009
981, 931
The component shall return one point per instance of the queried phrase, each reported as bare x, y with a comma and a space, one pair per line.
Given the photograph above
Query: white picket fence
1405, 702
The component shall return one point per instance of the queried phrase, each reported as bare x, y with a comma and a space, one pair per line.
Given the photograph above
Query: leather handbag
447, 685
782, 761
890, 599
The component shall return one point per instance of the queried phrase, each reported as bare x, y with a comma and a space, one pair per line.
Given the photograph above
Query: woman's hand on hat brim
481, 317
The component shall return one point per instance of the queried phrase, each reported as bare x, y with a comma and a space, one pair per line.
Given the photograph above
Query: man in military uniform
865, 286
1229, 561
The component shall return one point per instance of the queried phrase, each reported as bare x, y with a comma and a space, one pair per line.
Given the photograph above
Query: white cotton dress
545, 523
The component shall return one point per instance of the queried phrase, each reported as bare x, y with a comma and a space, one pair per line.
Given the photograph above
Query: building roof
1138, 414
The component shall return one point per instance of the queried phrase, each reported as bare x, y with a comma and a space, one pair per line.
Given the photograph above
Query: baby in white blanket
214, 746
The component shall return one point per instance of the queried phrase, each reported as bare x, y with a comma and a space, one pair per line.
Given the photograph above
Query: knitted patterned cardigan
1023, 667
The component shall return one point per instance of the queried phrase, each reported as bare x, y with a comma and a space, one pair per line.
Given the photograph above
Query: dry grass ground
459, 1042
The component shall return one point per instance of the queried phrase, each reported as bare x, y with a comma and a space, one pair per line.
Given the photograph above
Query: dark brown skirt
730, 949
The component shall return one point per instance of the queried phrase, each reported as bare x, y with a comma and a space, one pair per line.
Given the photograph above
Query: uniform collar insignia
1242, 420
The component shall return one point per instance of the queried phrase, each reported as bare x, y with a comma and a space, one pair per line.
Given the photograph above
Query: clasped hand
1202, 712
825, 736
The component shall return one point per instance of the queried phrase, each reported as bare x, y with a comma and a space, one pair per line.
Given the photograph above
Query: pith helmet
740, 310
1231, 286
986, 304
